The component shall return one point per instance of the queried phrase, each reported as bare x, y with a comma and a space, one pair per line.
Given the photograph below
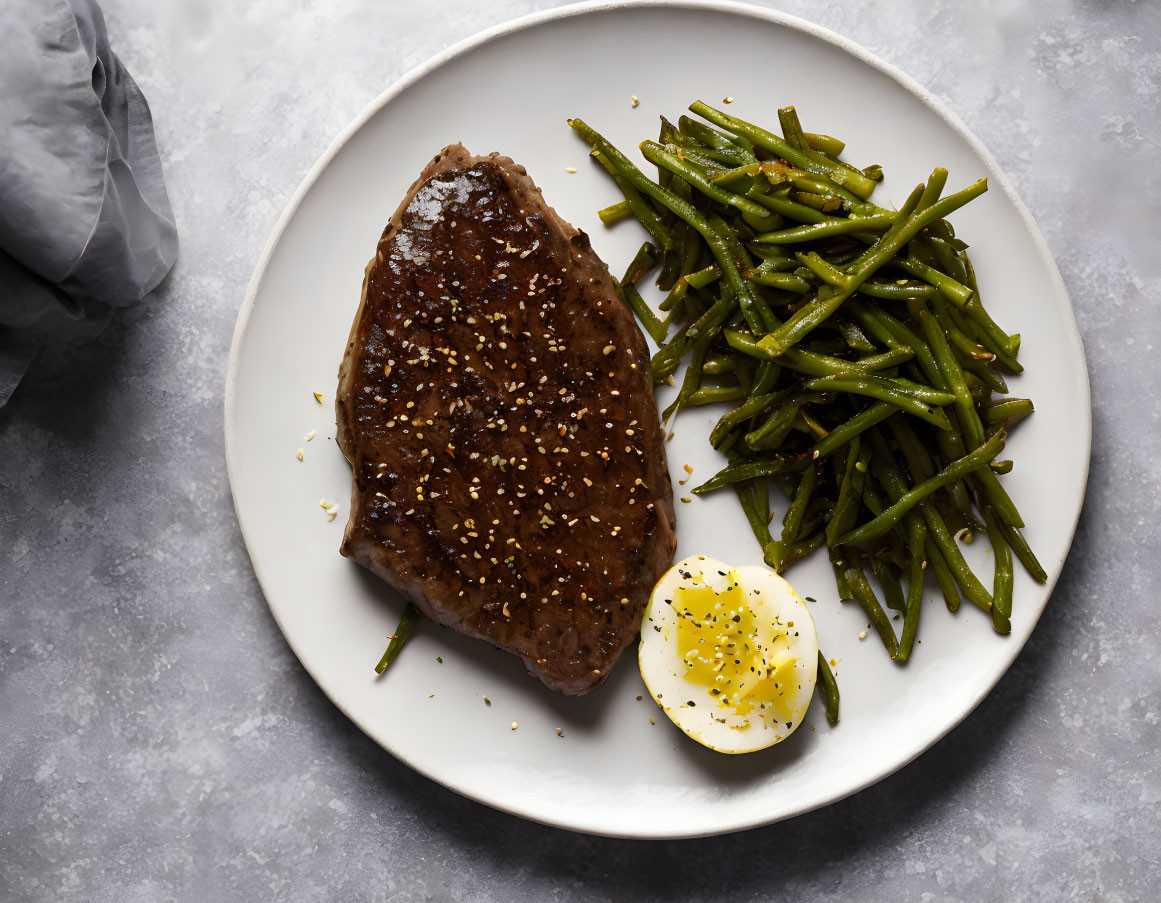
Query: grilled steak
496, 406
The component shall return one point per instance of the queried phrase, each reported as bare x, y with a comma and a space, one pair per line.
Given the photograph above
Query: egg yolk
742, 663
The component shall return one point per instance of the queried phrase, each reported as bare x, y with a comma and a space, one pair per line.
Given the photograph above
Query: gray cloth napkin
85, 223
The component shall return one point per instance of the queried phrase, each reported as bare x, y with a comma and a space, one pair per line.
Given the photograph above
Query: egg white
707, 719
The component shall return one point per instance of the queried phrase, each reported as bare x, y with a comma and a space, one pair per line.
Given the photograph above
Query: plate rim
531, 20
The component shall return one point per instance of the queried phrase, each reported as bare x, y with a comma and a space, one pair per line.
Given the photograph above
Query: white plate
613, 772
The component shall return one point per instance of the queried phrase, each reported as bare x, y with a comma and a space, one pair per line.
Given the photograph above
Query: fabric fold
85, 221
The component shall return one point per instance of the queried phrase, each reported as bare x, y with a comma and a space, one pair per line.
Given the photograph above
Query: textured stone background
158, 741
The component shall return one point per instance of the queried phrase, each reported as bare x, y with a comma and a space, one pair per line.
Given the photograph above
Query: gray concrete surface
158, 740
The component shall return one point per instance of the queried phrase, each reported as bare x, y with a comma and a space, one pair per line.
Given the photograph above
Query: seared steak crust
496, 406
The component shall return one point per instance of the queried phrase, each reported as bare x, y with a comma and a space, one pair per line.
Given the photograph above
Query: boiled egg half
730, 654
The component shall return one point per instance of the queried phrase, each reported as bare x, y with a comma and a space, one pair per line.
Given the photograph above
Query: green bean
614, 213
997, 497
697, 279
896, 291
985, 373
1003, 577
867, 600
828, 301
951, 446
1023, 551
919, 390
779, 202
796, 510
953, 558
952, 373
950, 289
919, 348
943, 576
407, 624
954, 471
991, 334
646, 215
746, 170
713, 162
805, 419
829, 688
968, 323
892, 589
716, 395
951, 324
916, 546
711, 137
841, 435
676, 260
817, 315
767, 376
680, 208
824, 144
848, 178
643, 261
813, 363
753, 406
871, 324
748, 501
656, 154
827, 203
775, 427
886, 390
796, 138
895, 484
855, 338
919, 462
830, 275
654, 328
788, 282
1007, 410
828, 229
668, 133
796, 551
933, 189
850, 491
691, 382
792, 129
716, 364
735, 472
